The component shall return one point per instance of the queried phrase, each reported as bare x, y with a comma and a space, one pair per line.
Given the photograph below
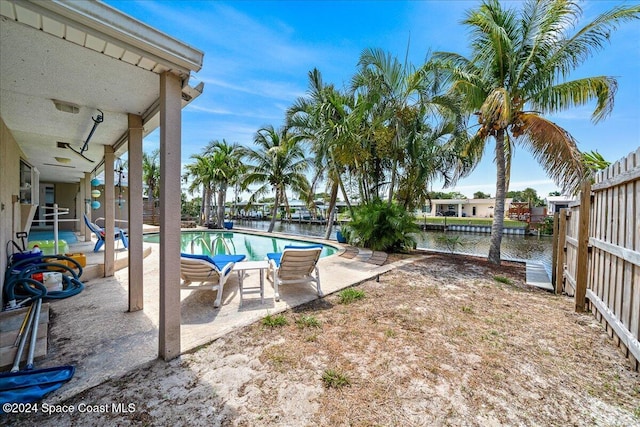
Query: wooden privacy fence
598, 252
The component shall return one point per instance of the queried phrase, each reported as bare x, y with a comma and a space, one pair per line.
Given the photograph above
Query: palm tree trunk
332, 207
222, 195
498, 215
346, 197
207, 204
275, 212
393, 182
203, 210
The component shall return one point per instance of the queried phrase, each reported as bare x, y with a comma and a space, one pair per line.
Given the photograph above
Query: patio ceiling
93, 57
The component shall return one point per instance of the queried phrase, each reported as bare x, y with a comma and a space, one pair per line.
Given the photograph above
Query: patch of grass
467, 309
334, 379
311, 338
389, 333
274, 321
350, 295
636, 412
307, 321
503, 279
280, 358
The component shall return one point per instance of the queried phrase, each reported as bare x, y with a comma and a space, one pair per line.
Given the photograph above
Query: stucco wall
10, 155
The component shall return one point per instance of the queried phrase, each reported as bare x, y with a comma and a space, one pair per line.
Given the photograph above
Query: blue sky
258, 54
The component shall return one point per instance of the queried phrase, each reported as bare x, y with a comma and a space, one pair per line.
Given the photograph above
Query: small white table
242, 267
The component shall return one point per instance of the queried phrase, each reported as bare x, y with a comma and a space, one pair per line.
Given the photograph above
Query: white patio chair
296, 264
210, 272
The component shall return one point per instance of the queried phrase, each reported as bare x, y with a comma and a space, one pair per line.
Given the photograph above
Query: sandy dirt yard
446, 340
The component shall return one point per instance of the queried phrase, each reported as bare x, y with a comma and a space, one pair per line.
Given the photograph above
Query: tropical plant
517, 71
277, 164
382, 227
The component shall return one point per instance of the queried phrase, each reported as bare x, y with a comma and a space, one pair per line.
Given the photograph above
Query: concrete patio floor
94, 332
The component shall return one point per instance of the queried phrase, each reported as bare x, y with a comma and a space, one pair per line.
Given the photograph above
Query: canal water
514, 247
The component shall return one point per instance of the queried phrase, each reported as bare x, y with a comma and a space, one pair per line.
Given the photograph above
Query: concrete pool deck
94, 332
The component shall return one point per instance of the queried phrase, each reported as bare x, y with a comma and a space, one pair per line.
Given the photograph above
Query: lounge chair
296, 264
211, 272
120, 234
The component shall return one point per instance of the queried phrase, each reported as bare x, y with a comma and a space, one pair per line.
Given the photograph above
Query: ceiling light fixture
62, 159
66, 107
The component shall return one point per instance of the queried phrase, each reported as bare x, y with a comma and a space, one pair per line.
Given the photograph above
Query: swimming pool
254, 246
67, 236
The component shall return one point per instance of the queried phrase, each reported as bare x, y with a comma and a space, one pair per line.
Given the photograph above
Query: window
25, 183
29, 183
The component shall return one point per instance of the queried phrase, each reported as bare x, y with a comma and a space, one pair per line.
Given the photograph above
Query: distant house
555, 203
471, 208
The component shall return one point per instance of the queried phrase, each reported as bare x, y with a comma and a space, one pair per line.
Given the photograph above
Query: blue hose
20, 284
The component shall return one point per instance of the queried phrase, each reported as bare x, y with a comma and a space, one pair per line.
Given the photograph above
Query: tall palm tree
226, 168
277, 164
323, 119
517, 72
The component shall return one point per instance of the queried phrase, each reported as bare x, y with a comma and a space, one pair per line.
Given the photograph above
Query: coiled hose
21, 286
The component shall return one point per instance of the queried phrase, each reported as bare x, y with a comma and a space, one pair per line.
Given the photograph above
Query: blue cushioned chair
99, 232
211, 272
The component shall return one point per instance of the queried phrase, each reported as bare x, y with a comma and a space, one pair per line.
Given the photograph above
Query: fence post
583, 247
554, 247
560, 252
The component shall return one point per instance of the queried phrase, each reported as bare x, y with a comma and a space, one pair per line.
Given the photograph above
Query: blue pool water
67, 236
254, 246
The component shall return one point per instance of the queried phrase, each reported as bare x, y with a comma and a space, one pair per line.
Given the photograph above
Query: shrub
381, 226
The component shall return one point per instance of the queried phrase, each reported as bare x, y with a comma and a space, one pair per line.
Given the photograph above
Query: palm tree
414, 128
151, 178
226, 169
397, 94
201, 177
324, 119
276, 165
517, 72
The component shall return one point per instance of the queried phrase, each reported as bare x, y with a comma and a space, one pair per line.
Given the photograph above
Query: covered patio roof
62, 62
80, 83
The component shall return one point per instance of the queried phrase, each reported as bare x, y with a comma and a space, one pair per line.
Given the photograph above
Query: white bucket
53, 281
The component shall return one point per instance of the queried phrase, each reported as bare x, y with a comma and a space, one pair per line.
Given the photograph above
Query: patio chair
211, 272
295, 264
120, 234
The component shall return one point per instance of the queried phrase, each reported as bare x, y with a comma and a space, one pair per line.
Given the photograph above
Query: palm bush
381, 226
